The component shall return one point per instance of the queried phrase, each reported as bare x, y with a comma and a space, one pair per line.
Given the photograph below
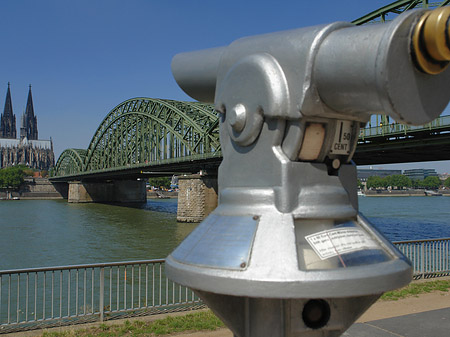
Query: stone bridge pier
113, 191
197, 197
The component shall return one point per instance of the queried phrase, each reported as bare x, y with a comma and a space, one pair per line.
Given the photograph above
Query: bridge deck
397, 143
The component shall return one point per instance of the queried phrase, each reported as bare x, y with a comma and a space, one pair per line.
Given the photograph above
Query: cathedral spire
8, 120
8, 110
30, 120
29, 109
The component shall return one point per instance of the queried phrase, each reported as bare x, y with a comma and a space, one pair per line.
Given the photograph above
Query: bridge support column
197, 197
118, 191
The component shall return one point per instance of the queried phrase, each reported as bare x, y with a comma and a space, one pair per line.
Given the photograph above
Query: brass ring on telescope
431, 41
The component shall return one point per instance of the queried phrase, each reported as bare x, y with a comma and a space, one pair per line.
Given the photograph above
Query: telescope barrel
354, 71
394, 69
196, 72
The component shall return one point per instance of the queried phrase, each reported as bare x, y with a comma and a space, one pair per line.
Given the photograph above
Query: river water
38, 233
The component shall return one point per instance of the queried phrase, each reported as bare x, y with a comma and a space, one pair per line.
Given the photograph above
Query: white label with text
339, 241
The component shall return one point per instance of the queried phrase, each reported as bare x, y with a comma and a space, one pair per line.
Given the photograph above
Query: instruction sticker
334, 242
342, 138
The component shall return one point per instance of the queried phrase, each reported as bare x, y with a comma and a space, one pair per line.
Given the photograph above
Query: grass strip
416, 288
202, 320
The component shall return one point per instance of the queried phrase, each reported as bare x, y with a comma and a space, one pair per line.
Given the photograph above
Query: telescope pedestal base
268, 317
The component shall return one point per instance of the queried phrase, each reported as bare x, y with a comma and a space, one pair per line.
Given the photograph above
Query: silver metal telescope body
286, 252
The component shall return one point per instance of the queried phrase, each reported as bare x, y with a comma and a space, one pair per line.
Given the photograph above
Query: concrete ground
427, 315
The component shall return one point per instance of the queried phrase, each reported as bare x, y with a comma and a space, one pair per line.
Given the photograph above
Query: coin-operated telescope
286, 252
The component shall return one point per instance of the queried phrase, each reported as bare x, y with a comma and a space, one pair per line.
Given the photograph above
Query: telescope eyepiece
431, 41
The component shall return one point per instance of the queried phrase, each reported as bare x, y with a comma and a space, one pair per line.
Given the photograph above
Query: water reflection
50, 232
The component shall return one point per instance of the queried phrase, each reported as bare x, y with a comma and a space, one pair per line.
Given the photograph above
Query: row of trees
400, 181
12, 177
160, 182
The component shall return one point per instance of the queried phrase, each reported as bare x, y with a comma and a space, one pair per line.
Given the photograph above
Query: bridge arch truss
70, 162
141, 131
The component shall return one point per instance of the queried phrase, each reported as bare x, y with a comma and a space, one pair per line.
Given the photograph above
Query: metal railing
55, 296
397, 129
430, 258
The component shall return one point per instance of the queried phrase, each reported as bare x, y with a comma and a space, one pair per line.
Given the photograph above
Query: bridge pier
116, 191
197, 197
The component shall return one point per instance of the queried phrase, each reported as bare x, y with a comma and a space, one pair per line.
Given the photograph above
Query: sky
85, 57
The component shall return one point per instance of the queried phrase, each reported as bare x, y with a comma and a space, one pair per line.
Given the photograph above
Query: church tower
8, 120
28, 128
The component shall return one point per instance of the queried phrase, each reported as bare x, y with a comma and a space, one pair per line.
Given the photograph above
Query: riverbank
43, 189
34, 189
162, 194
401, 193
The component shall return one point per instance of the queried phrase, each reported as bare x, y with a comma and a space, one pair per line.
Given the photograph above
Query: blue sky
83, 58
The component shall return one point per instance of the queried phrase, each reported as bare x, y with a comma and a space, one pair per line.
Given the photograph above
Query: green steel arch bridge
148, 137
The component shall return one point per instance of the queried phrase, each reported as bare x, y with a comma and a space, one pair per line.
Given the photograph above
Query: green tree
360, 184
388, 181
11, 177
28, 172
375, 182
416, 183
432, 182
447, 182
160, 182
400, 181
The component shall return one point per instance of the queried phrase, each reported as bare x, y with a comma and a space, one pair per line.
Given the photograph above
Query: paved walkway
434, 323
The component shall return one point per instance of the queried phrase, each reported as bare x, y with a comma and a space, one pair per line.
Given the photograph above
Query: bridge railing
396, 129
44, 297
56, 296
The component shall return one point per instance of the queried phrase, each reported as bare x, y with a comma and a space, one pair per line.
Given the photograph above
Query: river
38, 233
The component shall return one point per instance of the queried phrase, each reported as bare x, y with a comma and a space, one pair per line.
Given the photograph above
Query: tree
432, 183
416, 183
160, 182
375, 182
11, 177
400, 181
28, 172
447, 182
360, 184
388, 181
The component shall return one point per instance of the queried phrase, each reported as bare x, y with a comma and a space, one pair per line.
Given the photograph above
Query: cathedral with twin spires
28, 149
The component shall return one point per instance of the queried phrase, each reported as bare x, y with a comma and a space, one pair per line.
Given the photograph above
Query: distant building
364, 174
420, 174
28, 149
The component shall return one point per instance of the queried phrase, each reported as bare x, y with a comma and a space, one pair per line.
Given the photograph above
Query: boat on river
430, 193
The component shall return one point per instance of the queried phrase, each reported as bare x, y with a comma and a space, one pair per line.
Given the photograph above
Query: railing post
422, 258
102, 293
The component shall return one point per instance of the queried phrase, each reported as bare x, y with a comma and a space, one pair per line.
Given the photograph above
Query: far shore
401, 193
162, 194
